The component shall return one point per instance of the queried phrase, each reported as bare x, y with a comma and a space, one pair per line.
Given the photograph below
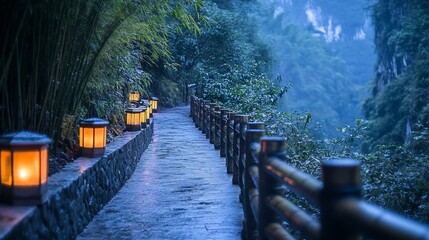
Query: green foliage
398, 105
226, 39
49, 48
58, 53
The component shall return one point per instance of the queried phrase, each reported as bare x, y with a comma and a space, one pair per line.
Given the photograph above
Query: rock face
77, 193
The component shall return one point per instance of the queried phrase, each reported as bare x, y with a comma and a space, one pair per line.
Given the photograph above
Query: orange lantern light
148, 111
143, 116
134, 96
92, 137
133, 122
23, 167
154, 102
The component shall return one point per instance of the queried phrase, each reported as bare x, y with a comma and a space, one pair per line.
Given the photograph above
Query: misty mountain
325, 49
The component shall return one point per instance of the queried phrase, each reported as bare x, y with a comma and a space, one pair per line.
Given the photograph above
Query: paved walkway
179, 190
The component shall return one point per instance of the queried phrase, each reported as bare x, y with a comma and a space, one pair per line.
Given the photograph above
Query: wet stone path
179, 190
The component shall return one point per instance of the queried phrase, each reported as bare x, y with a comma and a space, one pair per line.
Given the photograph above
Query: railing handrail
259, 167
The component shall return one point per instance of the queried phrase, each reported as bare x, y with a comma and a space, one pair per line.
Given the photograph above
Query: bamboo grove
49, 49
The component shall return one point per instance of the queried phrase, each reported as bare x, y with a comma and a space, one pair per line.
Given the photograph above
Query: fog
324, 49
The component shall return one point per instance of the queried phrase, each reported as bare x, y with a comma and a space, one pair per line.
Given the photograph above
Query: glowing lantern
23, 167
154, 102
148, 111
133, 122
92, 137
143, 116
134, 96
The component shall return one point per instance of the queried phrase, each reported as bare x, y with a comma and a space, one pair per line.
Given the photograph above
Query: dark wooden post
208, 115
191, 106
230, 141
216, 137
213, 111
203, 122
242, 152
200, 113
238, 119
223, 119
341, 179
195, 111
270, 146
253, 136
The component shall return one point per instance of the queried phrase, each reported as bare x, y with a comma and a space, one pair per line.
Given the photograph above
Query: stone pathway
179, 190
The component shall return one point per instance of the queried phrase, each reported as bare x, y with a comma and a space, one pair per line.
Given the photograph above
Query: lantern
134, 96
154, 102
143, 116
23, 167
133, 122
148, 110
92, 137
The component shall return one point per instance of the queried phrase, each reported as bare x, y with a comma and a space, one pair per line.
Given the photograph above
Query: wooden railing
259, 166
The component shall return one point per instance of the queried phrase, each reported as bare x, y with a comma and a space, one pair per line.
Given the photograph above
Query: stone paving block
179, 190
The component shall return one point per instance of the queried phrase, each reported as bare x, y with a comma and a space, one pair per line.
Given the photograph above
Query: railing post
191, 106
270, 146
216, 138
242, 152
213, 111
223, 120
203, 121
208, 110
200, 113
238, 119
230, 141
341, 179
253, 136
195, 111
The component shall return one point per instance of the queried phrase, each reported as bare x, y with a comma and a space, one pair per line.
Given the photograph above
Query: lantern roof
154, 98
144, 108
133, 110
146, 103
24, 138
134, 91
88, 122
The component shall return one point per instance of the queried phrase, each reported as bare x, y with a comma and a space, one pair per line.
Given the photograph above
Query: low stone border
77, 192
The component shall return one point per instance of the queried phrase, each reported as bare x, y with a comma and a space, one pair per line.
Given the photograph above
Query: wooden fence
259, 166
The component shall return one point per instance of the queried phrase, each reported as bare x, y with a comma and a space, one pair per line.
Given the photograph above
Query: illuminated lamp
92, 137
143, 116
23, 168
148, 111
134, 96
154, 102
132, 117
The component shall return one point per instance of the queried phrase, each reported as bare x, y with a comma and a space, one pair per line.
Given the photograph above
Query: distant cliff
398, 106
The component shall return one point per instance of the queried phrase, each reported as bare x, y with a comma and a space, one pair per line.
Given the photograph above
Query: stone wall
77, 192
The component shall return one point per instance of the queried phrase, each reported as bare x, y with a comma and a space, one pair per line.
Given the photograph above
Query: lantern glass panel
44, 165
100, 140
26, 168
88, 137
6, 167
154, 104
143, 116
133, 118
148, 113
134, 96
